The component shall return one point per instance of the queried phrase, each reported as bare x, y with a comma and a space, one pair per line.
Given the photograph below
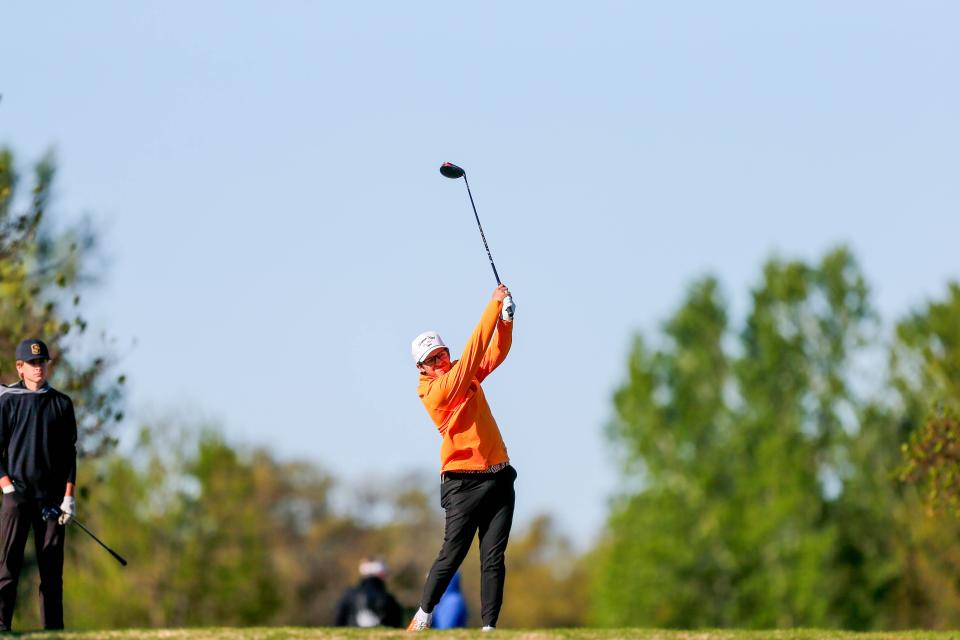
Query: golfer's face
437, 363
34, 370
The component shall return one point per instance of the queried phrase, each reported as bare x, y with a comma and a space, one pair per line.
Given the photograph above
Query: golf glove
10, 493
68, 508
508, 309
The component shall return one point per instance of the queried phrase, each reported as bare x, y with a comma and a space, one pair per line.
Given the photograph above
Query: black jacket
38, 441
369, 604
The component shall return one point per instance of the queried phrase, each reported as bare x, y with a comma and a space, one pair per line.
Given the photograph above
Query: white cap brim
429, 350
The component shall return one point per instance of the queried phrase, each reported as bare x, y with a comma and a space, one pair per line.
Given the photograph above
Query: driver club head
452, 171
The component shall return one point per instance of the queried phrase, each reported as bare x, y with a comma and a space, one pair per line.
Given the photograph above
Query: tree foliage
758, 472
218, 534
44, 270
926, 360
932, 460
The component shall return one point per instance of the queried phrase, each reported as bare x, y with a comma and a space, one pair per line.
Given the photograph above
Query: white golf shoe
421, 621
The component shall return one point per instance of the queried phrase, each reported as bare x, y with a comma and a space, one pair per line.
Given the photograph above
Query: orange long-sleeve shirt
455, 400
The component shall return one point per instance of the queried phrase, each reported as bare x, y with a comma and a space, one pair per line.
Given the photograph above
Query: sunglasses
433, 360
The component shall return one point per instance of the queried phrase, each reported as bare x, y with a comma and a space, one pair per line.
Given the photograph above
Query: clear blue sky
266, 174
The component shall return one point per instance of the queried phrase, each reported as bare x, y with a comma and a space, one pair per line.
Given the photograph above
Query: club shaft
100, 542
479, 226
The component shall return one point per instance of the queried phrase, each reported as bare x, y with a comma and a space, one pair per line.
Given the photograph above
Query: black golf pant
474, 502
16, 520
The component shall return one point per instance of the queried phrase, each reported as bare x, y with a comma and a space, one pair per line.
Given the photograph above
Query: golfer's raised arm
497, 351
457, 381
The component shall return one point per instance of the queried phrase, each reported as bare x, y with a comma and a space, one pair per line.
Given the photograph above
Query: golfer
476, 490
38, 467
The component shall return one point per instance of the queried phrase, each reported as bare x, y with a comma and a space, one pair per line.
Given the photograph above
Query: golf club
452, 171
52, 513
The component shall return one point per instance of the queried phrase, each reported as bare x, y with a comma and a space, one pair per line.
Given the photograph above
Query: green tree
932, 460
196, 519
44, 270
926, 356
662, 557
925, 361
45, 267
734, 449
871, 517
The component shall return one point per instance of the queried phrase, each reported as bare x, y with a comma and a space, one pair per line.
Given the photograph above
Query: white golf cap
373, 567
424, 344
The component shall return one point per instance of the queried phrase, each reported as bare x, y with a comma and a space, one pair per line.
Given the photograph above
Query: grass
302, 633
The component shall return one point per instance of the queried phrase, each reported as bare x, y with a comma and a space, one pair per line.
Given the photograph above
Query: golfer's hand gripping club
54, 514
502, 294
68, 509
509, 308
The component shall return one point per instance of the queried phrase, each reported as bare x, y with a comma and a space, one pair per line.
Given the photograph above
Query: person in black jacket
369, 604
38, 468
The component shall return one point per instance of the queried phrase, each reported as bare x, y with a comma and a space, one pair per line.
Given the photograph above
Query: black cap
32, 349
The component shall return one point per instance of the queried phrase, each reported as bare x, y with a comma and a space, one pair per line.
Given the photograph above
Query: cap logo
35, 349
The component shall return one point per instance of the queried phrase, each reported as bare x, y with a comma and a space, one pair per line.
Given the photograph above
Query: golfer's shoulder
12, 392
60, 397
47, 395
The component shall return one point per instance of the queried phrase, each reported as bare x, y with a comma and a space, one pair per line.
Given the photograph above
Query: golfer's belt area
497, 467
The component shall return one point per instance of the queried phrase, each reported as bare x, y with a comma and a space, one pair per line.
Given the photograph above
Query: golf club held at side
52, 513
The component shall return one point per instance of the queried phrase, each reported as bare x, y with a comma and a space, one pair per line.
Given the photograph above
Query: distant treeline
216, 534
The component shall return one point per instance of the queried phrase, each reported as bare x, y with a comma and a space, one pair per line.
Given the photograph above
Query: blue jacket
451, 611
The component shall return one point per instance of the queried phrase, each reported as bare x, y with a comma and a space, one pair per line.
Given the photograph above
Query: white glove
68, 509
9, 489
508, 309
